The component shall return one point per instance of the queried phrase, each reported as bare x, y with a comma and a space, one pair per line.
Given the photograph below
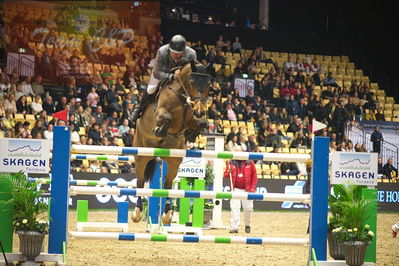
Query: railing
24, 65
388, 149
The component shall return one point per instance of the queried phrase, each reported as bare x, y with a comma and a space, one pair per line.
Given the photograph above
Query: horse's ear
193, 67
209, 67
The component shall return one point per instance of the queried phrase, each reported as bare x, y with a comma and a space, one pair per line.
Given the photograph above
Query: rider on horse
166, 59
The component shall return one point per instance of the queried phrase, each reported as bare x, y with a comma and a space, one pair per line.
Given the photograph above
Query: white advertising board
26, 155
356, 168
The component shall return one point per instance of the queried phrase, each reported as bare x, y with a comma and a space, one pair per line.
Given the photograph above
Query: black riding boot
138, 110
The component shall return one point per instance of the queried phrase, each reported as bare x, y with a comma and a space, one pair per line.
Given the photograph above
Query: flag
317, 125
63, 115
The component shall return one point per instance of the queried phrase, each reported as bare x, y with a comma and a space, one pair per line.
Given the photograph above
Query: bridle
189, 101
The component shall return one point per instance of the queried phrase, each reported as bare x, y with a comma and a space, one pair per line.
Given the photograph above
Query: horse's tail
150, 169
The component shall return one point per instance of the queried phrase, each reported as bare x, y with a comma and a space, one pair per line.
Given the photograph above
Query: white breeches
235, 206
153, 84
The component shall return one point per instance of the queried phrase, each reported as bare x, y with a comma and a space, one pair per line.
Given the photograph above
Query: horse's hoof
159, 132
137, 215
167, 217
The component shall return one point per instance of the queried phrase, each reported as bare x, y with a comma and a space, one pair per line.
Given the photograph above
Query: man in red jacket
244, 178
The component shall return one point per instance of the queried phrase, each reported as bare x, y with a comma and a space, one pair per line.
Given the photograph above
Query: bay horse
179, 113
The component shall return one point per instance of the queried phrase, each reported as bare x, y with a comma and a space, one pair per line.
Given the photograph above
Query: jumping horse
179, 113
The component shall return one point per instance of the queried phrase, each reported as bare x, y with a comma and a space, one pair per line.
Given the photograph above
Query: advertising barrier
388, 193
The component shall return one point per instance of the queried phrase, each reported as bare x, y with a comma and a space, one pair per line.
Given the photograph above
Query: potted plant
354, 233
341, 195
29, 219
208, 210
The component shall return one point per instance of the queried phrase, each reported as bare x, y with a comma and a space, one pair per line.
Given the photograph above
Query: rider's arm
160, 60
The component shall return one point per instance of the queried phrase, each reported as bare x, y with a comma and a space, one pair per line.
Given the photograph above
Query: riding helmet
177, 44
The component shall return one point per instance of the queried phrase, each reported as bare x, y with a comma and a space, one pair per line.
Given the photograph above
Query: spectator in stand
95, 134
220, 44
200, 50
316, 78
289, 168
289, 66
330, 80
37, 87
380, 168
45, 66
292, 106
128, 137
7, 122
339, 117
251, 143
273, 139
299, 141
107, 74
49, 133
284, 116
213, 112
36, 106
233, 132
25, 131
99, 115
379, 116
266, 89
93, 97
389, 171
295, 126
315, 67
124, 127
61, 104
48, 105
229, 113
250, 99
376, 139
237, 47
26, 87
363, 148
38, 129
285, 90
63, 69
22, 105
120, 58
232, 144
249, 114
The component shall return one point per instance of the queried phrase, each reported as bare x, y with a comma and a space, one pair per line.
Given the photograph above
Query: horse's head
199, 80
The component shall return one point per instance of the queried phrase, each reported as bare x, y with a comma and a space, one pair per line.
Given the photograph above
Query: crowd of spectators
99, 101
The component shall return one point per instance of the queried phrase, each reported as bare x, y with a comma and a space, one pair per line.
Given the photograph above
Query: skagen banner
356, 168
388, 193
192, 167
26, 155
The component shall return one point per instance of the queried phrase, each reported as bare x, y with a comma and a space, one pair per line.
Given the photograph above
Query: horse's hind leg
173, 166
141, 164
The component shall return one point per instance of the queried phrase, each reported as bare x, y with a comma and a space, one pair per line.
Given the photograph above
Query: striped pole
189, 238
287, 157
93, 183
100, 157
173, 193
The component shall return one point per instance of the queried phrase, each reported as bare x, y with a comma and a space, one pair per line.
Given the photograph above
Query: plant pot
30, 245
207, 215
355, 251
335, 247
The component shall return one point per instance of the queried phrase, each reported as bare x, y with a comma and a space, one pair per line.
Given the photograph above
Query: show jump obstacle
61, 188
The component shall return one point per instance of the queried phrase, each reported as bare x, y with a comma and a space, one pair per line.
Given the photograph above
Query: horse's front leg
162, 122
173, 166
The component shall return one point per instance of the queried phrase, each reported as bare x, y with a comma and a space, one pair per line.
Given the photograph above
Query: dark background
366, 31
